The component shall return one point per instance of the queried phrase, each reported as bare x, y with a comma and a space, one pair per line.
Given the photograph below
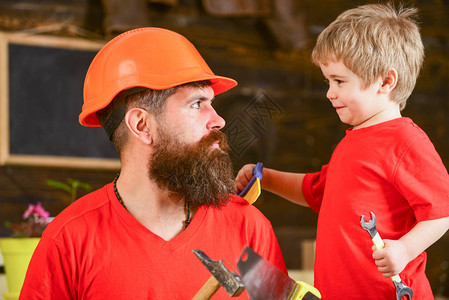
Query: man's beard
198, 173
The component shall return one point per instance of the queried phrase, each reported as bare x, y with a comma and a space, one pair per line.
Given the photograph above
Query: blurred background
278, 114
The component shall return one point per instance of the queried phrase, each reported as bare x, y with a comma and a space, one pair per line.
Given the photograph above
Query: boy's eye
338, 81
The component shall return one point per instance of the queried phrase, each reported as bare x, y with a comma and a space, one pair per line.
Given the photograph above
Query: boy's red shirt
393, 170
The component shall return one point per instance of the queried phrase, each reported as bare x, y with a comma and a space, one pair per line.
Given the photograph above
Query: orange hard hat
148, 57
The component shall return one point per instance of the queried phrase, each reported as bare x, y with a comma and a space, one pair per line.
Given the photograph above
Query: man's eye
196, 104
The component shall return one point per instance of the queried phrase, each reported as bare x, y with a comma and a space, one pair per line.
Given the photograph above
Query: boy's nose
331, 94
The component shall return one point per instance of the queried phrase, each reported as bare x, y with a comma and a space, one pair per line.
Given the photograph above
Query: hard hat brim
88, 116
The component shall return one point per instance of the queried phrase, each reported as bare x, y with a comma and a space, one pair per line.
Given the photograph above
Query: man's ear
139, 123
389, 81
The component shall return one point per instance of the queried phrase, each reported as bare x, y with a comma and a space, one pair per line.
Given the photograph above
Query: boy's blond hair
370, 40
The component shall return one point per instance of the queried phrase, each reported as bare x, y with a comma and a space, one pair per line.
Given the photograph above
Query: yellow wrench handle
378, 241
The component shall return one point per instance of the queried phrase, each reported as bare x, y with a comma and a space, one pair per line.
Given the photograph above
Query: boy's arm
392, 259
285, 184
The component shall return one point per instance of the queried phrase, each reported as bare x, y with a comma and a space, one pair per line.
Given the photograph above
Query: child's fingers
381, 262
378, 254
386, 272
390, 260
385, 268
243, 177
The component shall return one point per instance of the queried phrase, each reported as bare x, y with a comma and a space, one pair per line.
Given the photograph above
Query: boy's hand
243, 177
391, 259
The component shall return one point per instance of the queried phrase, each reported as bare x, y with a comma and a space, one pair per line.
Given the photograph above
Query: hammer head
230, 281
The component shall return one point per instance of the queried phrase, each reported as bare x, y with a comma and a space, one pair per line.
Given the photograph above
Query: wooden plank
4, 104
63, 162
27, 38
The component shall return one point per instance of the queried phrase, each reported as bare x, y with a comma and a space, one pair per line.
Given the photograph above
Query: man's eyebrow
201, 98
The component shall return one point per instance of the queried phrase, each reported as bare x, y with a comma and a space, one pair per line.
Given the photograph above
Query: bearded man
152, 92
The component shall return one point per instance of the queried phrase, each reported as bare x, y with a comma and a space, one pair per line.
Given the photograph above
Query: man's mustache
213, 137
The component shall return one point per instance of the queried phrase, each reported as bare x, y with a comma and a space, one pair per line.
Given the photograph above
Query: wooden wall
266, 49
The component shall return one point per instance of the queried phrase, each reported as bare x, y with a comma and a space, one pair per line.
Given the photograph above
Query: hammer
221, 276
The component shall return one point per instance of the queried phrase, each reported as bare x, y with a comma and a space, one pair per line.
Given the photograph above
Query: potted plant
18, 249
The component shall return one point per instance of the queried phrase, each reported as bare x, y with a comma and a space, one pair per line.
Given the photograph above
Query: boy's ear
389, 82
139, 123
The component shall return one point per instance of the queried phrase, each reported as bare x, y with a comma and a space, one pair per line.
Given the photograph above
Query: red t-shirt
96, 250
393, 170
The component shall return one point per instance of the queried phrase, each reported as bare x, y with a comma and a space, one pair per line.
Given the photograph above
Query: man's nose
215, 121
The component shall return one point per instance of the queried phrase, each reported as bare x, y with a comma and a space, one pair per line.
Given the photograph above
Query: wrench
401, 288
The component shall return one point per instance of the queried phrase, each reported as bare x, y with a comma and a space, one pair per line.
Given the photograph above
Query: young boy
371, 57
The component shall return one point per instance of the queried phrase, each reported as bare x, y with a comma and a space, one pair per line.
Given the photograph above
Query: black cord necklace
187, 206
187, 221
116, 192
